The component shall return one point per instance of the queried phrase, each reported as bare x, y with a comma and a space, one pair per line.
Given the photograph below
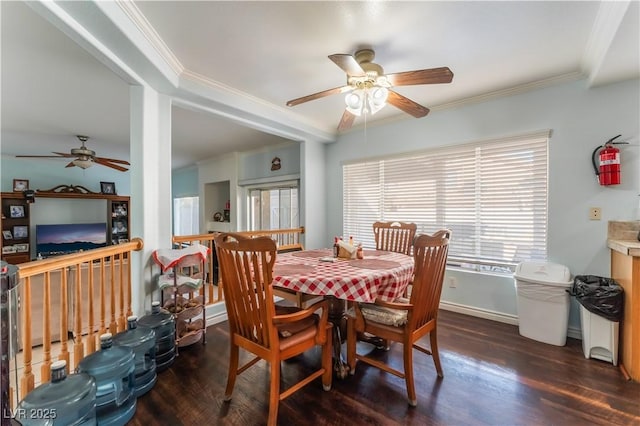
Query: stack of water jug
108, 382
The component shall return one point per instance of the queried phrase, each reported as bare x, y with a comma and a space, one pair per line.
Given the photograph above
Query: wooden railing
287, 239
81, 296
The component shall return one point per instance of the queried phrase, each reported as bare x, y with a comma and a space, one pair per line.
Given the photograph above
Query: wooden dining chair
394, 236
406, 320
256, 325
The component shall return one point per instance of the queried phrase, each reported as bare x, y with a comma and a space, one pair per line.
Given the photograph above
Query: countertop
627, 247
623, 237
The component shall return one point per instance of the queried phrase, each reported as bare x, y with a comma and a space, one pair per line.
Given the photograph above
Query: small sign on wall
275, 164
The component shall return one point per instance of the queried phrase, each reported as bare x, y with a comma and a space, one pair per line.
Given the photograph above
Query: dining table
379, 274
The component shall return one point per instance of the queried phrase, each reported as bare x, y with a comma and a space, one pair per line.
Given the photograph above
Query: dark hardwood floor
492, 376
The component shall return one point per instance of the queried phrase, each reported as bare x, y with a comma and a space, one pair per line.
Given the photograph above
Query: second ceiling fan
370, 88
84, 158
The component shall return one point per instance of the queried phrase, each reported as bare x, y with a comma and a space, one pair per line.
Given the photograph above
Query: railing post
45, 369
28, 380
64, 325
78, 346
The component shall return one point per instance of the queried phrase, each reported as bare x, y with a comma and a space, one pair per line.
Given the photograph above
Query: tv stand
16, 250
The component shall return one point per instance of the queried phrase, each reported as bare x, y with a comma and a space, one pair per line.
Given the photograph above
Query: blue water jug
65, 400
163, 323
142, 340
113, 370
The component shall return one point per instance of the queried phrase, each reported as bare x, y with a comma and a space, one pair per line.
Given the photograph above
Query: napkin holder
346, 251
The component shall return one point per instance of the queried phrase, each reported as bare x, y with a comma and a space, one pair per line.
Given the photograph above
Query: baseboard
216, 313
480, 313
473, 311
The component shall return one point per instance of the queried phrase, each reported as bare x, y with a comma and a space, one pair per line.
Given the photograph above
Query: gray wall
580, 120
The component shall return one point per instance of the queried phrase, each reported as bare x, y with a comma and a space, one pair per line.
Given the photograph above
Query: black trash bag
599, 295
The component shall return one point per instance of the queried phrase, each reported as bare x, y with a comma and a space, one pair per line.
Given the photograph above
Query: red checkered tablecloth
383, 276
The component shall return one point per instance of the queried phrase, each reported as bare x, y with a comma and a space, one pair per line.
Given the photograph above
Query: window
492, 195
273, 207
185, 216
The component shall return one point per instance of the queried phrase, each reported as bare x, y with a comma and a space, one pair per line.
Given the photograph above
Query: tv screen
55, 240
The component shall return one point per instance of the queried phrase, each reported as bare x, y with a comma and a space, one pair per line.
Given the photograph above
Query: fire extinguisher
608, 167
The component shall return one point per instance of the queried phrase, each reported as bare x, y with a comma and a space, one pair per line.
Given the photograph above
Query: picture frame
16, 210
20, 185
6, 234
21, 248
108, 188
20, 231
119, 210
8, 249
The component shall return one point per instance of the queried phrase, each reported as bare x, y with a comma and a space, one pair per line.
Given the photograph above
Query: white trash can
599, 337
543, 301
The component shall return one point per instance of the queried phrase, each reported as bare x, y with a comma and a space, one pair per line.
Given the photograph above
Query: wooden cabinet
118, 219
625, 269
15, 228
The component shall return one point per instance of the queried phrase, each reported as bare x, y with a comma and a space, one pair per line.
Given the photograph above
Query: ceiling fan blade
108, 164
319, 95
407, 105
346, 121
428, 76
112, 160
70, 165
58, 155
348, 64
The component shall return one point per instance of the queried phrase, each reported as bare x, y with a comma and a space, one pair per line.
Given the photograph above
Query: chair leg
233, 371
326, 361
408, 374
351, 345
274, 393
433, 337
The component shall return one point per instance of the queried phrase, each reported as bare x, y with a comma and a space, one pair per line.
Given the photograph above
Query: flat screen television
59, 239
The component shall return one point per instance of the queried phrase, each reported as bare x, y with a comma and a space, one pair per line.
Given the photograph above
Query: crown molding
152, 36
485, 97
510, 91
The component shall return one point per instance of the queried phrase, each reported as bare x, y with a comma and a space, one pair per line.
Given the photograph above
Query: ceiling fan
369, 89
83, 157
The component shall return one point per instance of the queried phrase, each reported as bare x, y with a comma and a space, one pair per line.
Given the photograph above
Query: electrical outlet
453, 282
595, 213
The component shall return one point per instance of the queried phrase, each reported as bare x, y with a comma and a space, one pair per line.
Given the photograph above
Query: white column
151, 201
313, 194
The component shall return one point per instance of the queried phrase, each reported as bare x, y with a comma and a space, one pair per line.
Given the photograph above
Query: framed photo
16, 211
119, 210
7, 235
108, 188
8, 249
20, 231
21, 248
20, 185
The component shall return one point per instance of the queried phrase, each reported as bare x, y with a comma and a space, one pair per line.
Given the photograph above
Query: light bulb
354, 100
83, 164
378, 96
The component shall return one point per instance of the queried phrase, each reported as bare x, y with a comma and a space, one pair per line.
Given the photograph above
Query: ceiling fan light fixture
83, 163
355, 101
378, 97
365, 101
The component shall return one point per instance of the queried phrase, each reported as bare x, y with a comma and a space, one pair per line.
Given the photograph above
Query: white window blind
492, 195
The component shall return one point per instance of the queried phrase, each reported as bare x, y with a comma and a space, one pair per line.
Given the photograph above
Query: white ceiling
266, 53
